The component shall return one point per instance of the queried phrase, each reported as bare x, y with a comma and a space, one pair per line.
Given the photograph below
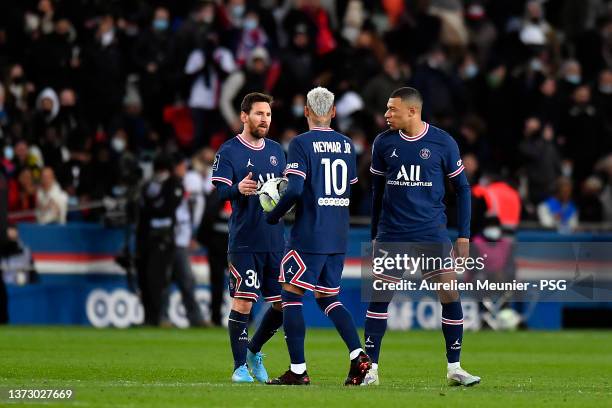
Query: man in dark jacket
159, 200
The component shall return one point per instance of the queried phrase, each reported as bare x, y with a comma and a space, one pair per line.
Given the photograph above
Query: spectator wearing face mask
153, 58
103, 69
570, 77
250, 37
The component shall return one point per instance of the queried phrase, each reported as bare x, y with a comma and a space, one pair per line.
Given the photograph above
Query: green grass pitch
192, 368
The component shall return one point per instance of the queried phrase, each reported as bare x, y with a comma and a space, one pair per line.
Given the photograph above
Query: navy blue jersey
248, 230
415, 169
327, 162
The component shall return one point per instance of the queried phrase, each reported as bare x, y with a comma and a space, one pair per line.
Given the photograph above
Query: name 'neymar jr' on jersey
321, 168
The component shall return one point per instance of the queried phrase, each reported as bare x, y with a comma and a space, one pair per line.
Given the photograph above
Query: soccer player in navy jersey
410, 162
321, 168
255, 247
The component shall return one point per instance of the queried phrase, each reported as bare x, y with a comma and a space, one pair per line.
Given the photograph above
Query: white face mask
107, 38
492, 233
605, 89
118, 144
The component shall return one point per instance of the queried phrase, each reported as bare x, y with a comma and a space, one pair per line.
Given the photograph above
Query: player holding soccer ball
255, 247
321, 168
409, 165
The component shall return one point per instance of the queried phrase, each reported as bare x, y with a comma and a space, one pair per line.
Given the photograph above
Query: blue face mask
471, 71
298, 110
160, 25
9, 153
573, 79
250, 24
237, 10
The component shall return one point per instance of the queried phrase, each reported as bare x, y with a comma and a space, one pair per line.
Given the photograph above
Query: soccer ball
271, 192
508, 319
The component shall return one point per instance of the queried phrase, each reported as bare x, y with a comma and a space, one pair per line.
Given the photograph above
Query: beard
258, 131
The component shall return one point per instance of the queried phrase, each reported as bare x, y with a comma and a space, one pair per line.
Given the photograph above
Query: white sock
298, 368
355, 353
453, 366
374, 366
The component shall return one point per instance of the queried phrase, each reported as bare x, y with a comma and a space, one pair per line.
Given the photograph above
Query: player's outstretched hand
248, 186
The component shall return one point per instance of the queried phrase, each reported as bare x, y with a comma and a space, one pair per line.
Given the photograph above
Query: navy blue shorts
431, 259
255, 273
314, 272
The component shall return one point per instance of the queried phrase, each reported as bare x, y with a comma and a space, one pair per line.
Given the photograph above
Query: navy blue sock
239, 336
272, 320
452, 327
294, 326
375, 327
335, 310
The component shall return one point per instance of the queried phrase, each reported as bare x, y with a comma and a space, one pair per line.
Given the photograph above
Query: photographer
155, 247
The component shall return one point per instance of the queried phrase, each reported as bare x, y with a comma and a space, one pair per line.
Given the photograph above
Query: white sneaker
371, 377
459, 376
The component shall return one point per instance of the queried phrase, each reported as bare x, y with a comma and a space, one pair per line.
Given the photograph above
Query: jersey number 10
331, 176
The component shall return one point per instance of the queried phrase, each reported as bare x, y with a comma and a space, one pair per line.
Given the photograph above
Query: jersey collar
250, 145
322, 129
417, 137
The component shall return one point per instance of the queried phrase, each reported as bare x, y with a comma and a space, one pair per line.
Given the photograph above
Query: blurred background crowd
91, 90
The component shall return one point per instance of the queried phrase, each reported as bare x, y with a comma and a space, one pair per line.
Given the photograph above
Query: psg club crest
273, 160
425, 153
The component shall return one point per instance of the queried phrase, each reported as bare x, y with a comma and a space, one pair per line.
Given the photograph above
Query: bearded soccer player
255, 247
321, 169
410, 162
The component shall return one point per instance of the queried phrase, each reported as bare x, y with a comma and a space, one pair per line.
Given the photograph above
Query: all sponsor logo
409, 176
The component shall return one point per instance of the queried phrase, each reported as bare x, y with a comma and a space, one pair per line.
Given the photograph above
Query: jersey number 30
331, 176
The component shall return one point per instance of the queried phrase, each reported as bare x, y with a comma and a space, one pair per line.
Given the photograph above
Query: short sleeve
296, 160
378, 166
223, 172
453, 166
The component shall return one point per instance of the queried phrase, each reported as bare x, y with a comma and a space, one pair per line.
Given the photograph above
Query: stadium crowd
90, 89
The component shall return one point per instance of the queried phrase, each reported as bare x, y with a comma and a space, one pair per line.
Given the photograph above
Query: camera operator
159, 199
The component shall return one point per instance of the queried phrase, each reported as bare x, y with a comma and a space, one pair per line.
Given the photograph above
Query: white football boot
458, 376
371, 377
